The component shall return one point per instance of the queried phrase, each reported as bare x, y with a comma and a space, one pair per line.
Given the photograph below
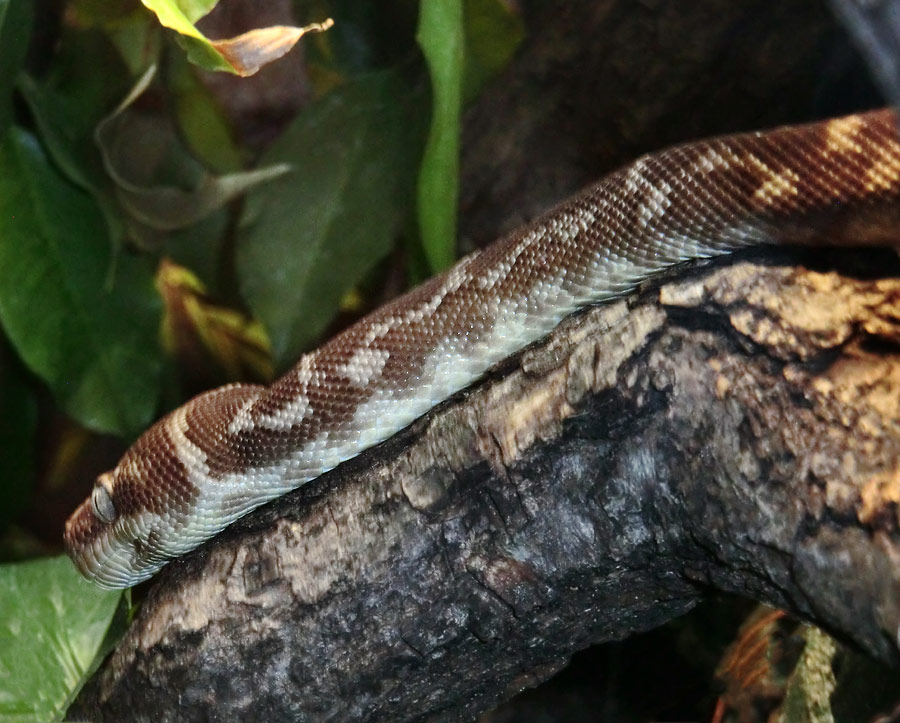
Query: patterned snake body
232, 449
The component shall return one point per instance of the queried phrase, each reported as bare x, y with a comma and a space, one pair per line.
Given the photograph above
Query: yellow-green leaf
209, 340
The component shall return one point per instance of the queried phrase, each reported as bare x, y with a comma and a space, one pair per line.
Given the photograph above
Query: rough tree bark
737, 430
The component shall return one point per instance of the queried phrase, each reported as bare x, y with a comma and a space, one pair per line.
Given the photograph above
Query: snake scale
232, 449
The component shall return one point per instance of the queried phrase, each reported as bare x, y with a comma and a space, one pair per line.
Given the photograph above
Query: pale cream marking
575, 221
655, 204
241, 419
190, 454
634, 180
445, 370
714, 159
456, 277
504, 265
841, 135
776, 186
883, 174
119, 565
286, 416
365, 366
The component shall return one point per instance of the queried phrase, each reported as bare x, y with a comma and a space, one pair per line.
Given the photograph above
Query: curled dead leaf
159, 185
248, 52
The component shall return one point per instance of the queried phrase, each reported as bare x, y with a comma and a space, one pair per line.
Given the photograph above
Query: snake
230, 450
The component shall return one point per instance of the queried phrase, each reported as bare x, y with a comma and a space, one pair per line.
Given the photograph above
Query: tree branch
734, 429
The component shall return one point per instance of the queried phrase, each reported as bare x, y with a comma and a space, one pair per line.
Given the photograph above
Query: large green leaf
312, 235
442, 40
90, 335
53, 625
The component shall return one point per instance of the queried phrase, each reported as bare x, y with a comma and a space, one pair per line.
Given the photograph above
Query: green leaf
244, 54
17, 446
16, 17
91, 340
53, 624
441, 37
309, 237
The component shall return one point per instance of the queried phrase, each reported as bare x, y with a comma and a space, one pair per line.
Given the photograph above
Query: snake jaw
116, 550
112, 554
95, 548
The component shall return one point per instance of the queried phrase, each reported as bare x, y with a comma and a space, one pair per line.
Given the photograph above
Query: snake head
144, 512
127, 529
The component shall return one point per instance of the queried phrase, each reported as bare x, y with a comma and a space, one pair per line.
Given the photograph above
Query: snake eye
101, 501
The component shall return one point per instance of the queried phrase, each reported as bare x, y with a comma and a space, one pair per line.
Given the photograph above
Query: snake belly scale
229, 450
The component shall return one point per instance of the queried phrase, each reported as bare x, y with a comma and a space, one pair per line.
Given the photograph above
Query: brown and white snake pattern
232, 449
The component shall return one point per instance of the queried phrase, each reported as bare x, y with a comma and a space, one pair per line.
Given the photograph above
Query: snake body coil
232, 449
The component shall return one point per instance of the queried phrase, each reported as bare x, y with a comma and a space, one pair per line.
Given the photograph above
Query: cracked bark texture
734, 430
